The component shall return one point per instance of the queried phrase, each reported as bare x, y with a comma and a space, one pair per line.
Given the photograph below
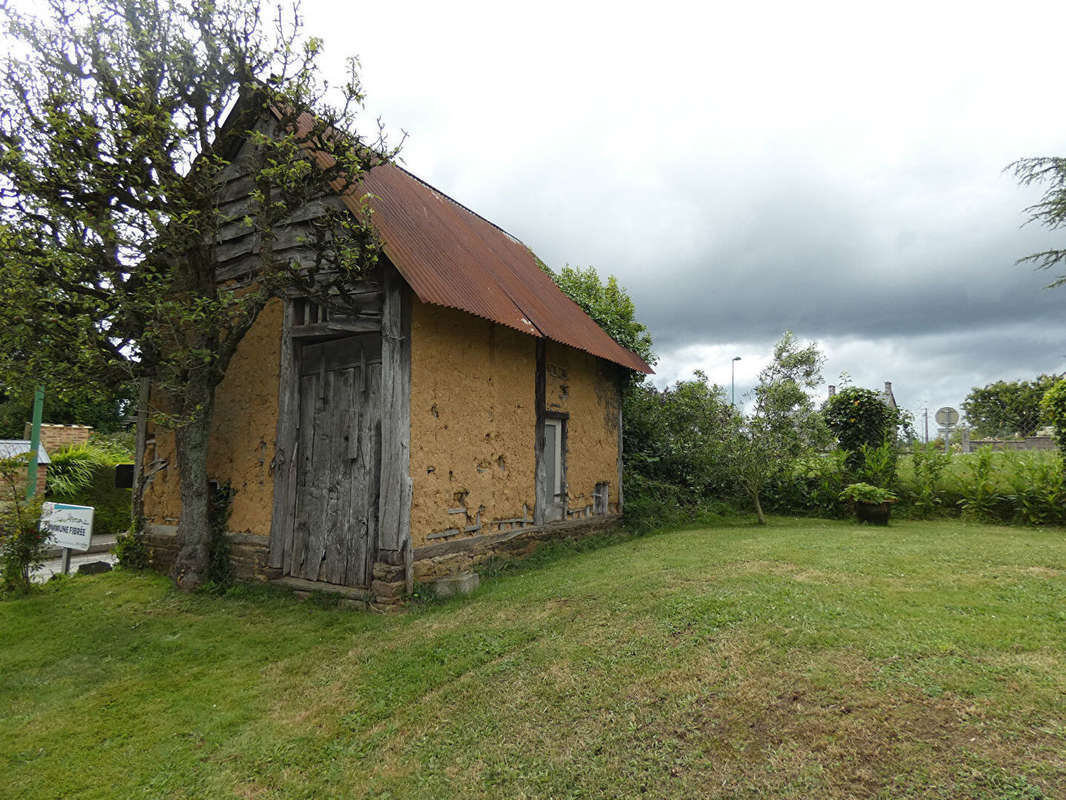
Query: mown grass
805, 659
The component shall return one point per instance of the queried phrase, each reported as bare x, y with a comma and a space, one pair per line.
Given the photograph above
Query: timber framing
394, 521
457, 340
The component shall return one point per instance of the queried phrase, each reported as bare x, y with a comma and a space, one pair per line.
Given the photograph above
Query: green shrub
1037, 489
858, 418
981, 498
220, 566
867, 493
928, 462
84, 474
1053, 405
22, 543
130, 547
812, 487
878, 464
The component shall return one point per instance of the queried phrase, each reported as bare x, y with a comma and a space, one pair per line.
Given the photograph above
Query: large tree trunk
194, 527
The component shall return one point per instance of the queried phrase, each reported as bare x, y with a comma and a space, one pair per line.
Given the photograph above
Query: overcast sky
834, 169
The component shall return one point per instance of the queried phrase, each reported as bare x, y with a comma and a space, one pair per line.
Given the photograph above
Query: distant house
887, 397
465, 409
13, 448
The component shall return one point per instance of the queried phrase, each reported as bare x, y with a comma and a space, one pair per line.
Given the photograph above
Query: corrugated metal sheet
452, 257
10, 448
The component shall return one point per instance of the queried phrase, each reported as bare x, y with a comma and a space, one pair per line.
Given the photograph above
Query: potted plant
871, 503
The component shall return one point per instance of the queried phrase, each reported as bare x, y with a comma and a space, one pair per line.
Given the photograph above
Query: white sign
69, 526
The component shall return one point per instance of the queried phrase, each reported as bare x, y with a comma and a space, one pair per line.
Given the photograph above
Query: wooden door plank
306, 448
318, 488
355, 566
367, 480
337, 526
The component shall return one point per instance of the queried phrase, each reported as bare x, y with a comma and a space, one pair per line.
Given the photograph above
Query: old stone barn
467, 409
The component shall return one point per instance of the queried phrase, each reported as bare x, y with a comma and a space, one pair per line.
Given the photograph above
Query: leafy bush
609, 304
981, 497
131, 550
22, 544
928, 462
859, 418
878, 464
673, 441
84, 474
220, 567
1053, 404
812, 487
1037, 490
866, 493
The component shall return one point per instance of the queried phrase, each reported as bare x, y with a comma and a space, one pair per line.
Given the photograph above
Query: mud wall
472, 423
586, 388
242, 436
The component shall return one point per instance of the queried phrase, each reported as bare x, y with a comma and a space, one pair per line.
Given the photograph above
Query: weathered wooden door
338, 461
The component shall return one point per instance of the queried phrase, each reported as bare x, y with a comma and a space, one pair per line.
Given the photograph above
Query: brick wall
20, 487
58, 437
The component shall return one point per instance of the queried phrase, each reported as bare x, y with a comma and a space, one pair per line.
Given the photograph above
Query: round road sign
947, 416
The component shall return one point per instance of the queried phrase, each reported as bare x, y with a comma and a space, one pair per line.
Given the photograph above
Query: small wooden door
338, 461
555, 470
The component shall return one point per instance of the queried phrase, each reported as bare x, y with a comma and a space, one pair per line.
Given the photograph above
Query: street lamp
733, 382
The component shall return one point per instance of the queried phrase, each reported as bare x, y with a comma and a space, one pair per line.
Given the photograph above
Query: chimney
832, 390
888, 388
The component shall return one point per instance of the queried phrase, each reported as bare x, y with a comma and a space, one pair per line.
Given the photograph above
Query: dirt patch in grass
1045, 572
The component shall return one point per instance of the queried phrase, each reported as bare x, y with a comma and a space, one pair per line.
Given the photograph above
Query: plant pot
873, 513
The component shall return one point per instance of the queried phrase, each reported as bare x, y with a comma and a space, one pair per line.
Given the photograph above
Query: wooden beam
542, 492
334, 327
284, 462
396, 485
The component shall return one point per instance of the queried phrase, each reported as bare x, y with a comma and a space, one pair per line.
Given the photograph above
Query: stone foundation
250, 555
454, 558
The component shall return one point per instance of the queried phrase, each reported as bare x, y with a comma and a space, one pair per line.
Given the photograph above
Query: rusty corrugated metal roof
452, 257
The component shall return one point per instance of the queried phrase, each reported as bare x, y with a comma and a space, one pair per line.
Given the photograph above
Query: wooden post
35, 444
284, 461
542, 492
394, 527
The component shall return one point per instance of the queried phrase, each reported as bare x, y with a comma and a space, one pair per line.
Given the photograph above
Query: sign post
946, 417
70, 527
35, 443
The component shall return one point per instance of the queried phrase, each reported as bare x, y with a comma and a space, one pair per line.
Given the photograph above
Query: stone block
384, 591
387, 573
452, 585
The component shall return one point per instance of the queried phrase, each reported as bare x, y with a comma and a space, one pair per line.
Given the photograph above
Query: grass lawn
807, 659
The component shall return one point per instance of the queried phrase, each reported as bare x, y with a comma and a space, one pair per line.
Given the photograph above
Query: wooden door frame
394, 503
540, 393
